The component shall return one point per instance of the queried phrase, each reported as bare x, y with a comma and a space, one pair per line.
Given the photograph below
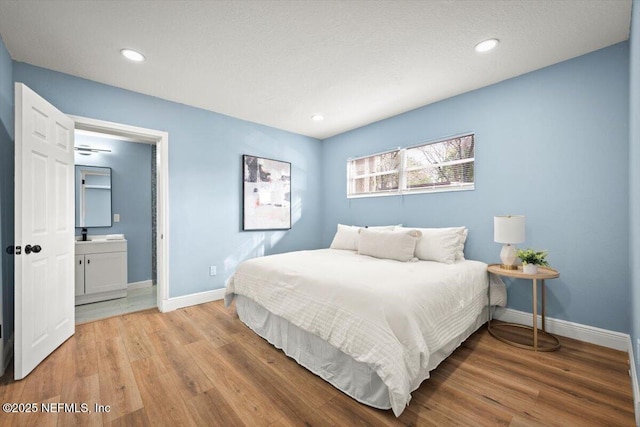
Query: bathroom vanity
101, 270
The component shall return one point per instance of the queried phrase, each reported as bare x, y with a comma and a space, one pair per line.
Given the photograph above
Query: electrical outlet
116, 217
213, 270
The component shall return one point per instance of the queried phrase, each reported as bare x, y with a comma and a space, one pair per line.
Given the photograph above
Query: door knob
35, 249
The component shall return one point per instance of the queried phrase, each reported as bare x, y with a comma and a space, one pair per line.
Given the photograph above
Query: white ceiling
279, 62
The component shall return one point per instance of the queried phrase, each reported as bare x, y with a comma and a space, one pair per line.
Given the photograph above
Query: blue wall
205, 174
634, 178
6, 188
551, 145
130, 164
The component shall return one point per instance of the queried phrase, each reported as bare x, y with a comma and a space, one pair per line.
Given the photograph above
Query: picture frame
266, 194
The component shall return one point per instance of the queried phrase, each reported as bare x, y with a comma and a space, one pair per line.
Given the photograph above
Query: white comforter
390, 315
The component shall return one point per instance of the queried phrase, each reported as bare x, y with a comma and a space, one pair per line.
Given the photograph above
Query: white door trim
161, 140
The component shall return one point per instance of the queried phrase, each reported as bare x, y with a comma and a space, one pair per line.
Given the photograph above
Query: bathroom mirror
93, 196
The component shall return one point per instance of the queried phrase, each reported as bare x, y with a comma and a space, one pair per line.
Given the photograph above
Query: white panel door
44, 230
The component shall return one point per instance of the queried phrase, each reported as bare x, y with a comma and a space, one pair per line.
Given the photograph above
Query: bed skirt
356, 379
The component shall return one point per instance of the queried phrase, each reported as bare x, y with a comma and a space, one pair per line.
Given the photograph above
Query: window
445, 165
375, 174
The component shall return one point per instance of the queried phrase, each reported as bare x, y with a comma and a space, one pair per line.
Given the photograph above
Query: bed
374, 328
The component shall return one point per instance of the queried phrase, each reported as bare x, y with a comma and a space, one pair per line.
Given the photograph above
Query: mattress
394, 317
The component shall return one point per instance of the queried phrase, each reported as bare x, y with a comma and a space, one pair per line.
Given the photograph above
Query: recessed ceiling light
317, 117
487, 45
132, 55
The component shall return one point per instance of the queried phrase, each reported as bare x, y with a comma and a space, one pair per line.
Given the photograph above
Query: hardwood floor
201, 366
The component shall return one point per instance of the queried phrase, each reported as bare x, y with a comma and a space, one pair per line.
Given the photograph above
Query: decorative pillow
440, 244
399, 245
347, 236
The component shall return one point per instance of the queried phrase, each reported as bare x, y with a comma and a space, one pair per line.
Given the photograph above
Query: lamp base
508, 256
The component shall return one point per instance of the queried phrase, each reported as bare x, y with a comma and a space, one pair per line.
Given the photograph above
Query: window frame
403, 171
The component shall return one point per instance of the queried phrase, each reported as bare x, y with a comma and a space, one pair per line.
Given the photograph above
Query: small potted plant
531, 259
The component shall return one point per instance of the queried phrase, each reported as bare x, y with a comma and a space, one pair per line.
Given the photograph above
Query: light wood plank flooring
201, 366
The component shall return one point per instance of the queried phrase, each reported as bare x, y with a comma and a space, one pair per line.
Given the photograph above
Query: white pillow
399, 245
463, 240
440, 244
347, 236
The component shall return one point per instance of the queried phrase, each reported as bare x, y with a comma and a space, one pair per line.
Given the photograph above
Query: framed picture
266, 193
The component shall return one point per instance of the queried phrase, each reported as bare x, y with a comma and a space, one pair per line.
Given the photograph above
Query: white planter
529, 269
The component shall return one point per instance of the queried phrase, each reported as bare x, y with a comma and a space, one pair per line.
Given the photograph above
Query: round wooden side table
503, 331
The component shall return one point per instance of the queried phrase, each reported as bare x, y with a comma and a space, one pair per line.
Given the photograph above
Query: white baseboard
139, 285
634, 381
189, 300
590, 334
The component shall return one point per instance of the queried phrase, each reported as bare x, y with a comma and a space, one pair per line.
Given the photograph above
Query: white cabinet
101, 270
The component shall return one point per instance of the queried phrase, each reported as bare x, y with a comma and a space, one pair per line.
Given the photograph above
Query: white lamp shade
508, 229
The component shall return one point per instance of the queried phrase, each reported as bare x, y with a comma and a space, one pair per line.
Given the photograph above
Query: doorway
116, 194
141, 293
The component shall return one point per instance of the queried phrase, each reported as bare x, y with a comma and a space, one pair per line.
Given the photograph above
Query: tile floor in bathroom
136, 300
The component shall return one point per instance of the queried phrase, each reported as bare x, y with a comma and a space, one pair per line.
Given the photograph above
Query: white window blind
375, 174
444, 165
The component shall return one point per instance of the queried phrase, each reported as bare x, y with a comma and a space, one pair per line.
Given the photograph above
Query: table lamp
509, 230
